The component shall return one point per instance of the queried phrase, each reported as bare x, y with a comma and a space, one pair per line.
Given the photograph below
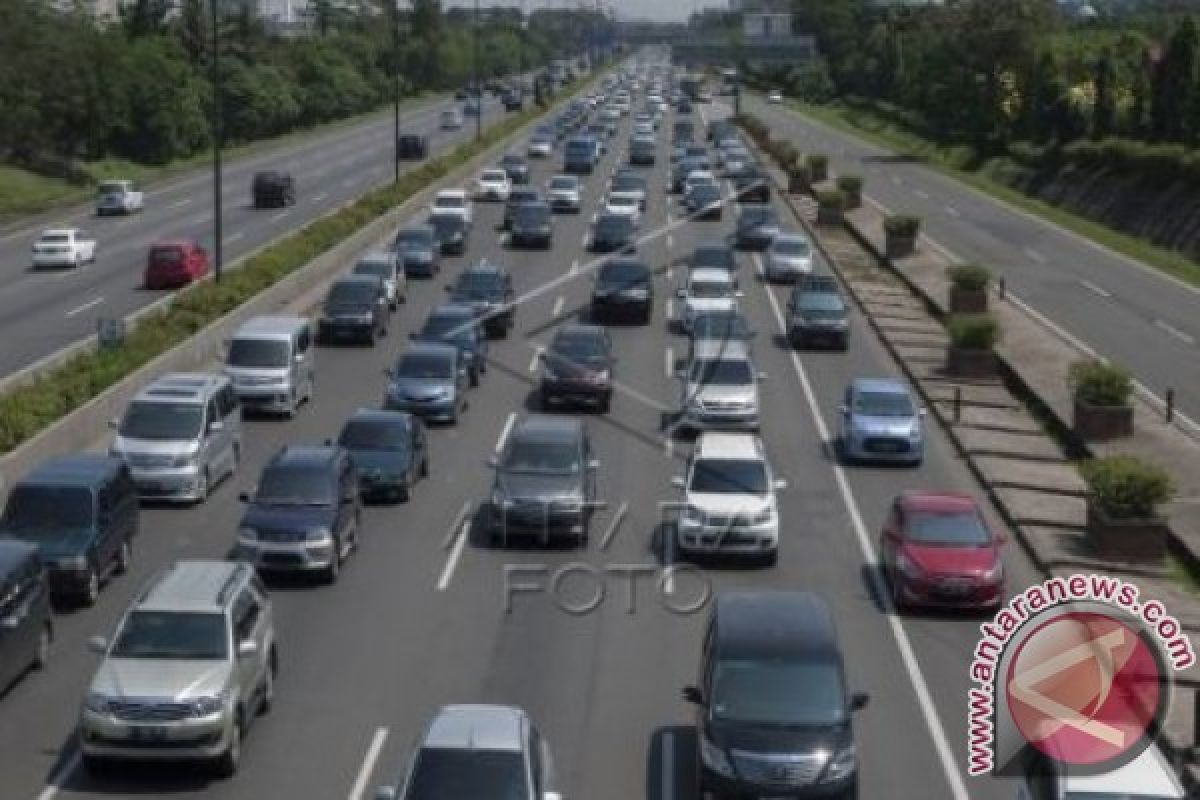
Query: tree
144, 17
193, 30
1175, 83
1104, 111
1138, 123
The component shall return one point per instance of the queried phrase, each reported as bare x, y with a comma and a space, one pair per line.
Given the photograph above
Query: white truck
118, 197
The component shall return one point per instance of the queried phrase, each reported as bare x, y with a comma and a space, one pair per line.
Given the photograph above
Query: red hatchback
175, 263
938, 550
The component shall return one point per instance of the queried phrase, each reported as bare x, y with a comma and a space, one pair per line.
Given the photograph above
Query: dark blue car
389, 452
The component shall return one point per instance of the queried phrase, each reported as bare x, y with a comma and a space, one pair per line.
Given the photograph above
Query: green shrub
902, 225
969, 277
819, 164
832, 199
784, 152
1099, 383
1125, 487
850, 184
973, 331
799, 176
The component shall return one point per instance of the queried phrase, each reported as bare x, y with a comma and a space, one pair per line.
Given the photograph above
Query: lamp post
478, 81
395, 6
216, 137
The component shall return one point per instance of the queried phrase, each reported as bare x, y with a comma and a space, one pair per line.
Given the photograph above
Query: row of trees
140, 88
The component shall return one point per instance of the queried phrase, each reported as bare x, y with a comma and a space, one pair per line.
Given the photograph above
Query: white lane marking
669, 362
575, 266
1171, 329
921, 194
1091, 287
668, 765
368, 765
233, 237
456, 552
670, 241
537, 356
952, 211
508, 423
179, 203
50, 791
1034, 255
316, 198
611, 531
89, 304
916, 677
282, 215
558, 306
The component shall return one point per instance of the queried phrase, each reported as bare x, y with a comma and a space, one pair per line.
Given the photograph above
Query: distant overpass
689, 48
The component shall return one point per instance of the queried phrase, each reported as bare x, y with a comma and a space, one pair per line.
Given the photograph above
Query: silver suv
720, 387
191, 664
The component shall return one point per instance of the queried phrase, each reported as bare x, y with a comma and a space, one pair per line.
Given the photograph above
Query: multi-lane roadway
418, 618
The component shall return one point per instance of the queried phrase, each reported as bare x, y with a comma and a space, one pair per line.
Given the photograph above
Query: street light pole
478, 81
395, 6
216, 136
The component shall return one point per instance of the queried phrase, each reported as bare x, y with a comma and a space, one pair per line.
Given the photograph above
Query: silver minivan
180, 436
272, 363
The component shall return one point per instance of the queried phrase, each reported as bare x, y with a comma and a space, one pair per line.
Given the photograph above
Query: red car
175, 263
938, 550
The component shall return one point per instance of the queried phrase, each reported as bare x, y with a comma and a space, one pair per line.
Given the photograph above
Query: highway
43, 311
418, 618
1122, 309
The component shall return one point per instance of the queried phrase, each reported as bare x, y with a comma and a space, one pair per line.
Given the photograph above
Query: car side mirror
10, 623
593, 464
216, 426
114, 423
681, 293
692, 694
247, 648
98, 644
244, 497
493, 462
299, 359
678, 481
780, 484
858, 701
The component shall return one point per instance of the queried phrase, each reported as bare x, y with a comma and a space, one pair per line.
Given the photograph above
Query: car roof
723, 349
725, 444
193, 586
381, 416
494, 172
936, 501
424, 229
60, 231
181, 387
355, 278
484, 267
459, 193
548, 428
452, 310
427, 348
580, 329
165, 243
785, 625
304, 455
77, 469
890, 385
710, 275
790, 237
270, 327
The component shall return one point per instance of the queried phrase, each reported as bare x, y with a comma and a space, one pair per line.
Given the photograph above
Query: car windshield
883, 404
790, 247
577, 148
176, 635
494, 176
453, 774
729, 476
819, 301
363, 434
722, 372
381, 269
541, 457
778, 693
706, 192
949, 529
414, 240
752, 217
512, 161
48, 507
710, 289
349, 293
563, 183
628, 183
450, 201
622, 201
166, 255
162, 421
477, 282
444, 224
425, 365
721, 326
721, 257
295, 486
532, 214
450, 326
55, 238
519, 197
258, 353
623, 273
613, 223
578, 349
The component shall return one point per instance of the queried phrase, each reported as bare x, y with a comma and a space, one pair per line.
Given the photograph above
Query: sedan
64, 247
756, 226
623, 287
788, 257
577, 367
450, 230
418, 248
880, 421
389, 452
937, 549
563, 191
626, 204
612, 232
429, 380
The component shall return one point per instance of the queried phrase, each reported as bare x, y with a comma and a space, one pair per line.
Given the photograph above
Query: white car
643, 129
627, 204
493, 184
775, 96
564, 193
452, 201
788, 257
728, 502
63, 247
540, 147
118, 197
610, 114
451, 120
707, 289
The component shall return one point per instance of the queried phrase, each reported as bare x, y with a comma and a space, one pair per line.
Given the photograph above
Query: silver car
564, 193
880, 421
191, 664
430, 380
789, 255
388, 266
720, 388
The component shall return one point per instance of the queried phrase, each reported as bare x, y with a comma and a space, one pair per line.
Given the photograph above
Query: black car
305, 514
719, 129
577, 367
750, 185
390, 452
356, 307
273, 189
450, 231
82, 513
545, 484
757, 225
773, 715
532, 226
411, 147
612, 232
623, 287
516, 167
817, 313
712, 255
514, 100
703, 201
419, 250
459, 325
28, 626
518, 197
626, 181
684, 167
488, 289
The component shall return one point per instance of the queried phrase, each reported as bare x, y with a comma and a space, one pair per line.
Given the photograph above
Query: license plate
149, 733
955, 587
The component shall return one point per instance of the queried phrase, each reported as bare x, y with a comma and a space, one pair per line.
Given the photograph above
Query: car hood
700, 304
161, 679
883, 426
709, 393
154, 447
521, 486
53, 543
347, 309
381, 460
775, 739
421, 388
263, 373
725, 503
289, 517
964, 561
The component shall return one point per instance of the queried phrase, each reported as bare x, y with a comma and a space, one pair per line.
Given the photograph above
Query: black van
81, 512
773, 717
272, 189
411, 146
25, 625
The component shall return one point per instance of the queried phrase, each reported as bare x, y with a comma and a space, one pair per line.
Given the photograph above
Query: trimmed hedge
969, 277
28, 409
850, 184
1099, 383
902, 225
973, 331
832, 199
1125, 487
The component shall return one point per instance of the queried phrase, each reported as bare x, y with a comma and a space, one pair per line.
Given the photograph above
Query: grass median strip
25, 410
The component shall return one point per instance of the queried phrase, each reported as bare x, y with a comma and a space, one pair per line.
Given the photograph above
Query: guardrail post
957, 403
1170, 417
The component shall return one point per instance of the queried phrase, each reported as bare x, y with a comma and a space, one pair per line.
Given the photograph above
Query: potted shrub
819, 164
1101, 393
784, 153
972, 339
900, 234
968, 288
1123, 518
799, 178
831, 203
851, 186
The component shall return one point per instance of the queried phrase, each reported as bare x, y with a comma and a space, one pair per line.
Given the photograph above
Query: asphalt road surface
43, 311
418, 618
1119, 307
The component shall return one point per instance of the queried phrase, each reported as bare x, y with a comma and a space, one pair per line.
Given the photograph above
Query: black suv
356, 307
305, 515
773, 716
577, 367
419, 248
613, 232
487, 288
545, 482
817, 313
516, 167
273, 189
623, 287
532, 226
411, 146
389, 449
750, 184
757, 225
517, 197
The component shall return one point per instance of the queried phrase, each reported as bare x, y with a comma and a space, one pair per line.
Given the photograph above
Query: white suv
720, 387
452, 201
708, 289
728, 503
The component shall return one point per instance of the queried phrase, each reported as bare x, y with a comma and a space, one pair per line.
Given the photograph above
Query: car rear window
30, 506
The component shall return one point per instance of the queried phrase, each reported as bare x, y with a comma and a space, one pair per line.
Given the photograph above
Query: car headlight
763, 517
184, 460
206, 706
841, 766
100, 703
318, 534
995, 574
693, 514
908, 567
73, 563
600, 376
714, 758
915, 432
248, 534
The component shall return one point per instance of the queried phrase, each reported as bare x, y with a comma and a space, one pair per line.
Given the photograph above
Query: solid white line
669, 362
368, 764
558, 306
1035, 255
583, 240
282, 215
921, 194
668, 766
455, 554
508, 423
537, 356
1171, 329
617, 519
912, 666
55, 783
670, 241
233, 237
952, 211
179, 203
316, 198
89, 304
1091, 287
575, 266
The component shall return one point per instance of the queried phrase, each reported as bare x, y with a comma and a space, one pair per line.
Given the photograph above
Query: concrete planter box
798, 183
1141, 540
853, 199
820, 172
970, 362
1094, 423
899, 246
968, 301
829, 216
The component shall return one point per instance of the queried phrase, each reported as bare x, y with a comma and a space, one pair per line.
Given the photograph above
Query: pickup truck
118, 197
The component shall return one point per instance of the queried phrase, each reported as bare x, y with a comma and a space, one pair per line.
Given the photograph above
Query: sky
660, 10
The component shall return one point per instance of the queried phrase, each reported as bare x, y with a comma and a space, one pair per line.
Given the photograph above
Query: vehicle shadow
671, 764
146, 779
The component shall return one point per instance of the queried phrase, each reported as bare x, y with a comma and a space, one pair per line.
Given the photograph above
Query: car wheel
895, 590
335, 562
91, 591
425, 467
228, 762
124, 557
473, 377
202, 489
41, 656
267, 692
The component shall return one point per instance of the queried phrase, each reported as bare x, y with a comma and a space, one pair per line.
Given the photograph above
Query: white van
272, 363
1147, 777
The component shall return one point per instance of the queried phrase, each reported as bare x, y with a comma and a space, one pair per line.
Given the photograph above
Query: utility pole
395, 7
216, 137
478, 81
